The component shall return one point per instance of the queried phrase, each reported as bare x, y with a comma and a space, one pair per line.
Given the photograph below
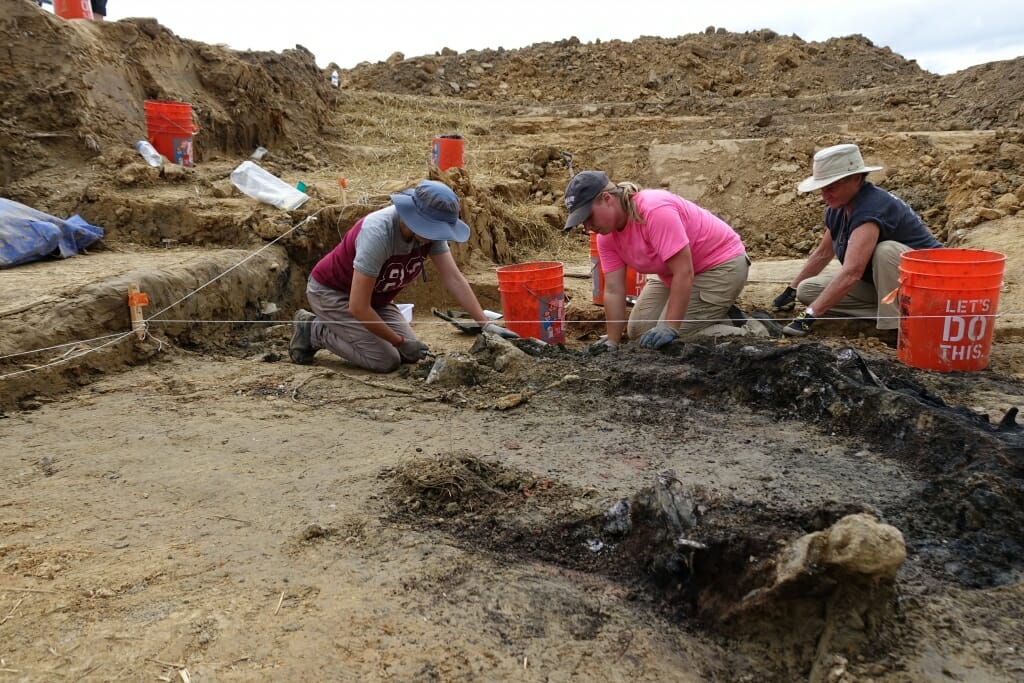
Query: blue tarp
28, 235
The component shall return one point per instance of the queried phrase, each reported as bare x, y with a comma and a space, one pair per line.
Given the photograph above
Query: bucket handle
538, 297
195, 128
891, 296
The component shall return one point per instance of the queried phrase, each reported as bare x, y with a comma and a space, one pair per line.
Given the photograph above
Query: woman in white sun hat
868, 229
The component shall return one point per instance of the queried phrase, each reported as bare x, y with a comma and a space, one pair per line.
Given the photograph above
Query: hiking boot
300, 349
801, 326
737, 316
770, 325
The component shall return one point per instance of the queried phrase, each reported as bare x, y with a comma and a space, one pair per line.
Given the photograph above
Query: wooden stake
136, 300
279, 604
343, 186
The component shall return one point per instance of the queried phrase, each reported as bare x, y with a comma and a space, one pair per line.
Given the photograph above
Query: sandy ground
236, 518
192, 506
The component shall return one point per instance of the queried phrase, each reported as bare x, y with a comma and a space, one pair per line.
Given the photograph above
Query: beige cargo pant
714, 291
864, 300
338, 331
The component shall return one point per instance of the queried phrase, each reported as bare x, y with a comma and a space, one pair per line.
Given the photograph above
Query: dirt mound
75, 90
984, 96
718, 62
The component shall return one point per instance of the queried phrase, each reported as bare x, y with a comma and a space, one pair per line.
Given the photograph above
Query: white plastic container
260, 184
149, 153
334, 78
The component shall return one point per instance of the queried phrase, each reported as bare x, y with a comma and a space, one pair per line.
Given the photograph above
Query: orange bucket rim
952, 255
531, 266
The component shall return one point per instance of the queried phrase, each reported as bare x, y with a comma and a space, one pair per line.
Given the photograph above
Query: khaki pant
864, 300
336, 330
713, 292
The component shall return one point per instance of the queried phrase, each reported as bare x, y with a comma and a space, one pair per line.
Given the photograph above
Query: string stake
136, 300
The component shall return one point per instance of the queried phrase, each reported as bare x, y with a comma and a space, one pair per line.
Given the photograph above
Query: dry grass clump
452, 483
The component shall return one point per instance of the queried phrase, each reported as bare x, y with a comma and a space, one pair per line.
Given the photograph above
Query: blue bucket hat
583, 189
431, 210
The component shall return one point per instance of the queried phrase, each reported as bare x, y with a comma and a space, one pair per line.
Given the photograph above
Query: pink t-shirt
671, 223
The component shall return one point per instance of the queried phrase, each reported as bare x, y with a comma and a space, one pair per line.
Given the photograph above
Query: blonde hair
624, 193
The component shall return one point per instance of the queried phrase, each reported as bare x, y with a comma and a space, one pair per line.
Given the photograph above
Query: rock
617, 519
676, 503
500, 354
799, 558
455, 370
990, 214
175, 172
221, 189
858, 544
1008, 202
861, 544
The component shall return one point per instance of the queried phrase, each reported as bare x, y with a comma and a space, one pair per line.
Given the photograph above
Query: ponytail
624, 192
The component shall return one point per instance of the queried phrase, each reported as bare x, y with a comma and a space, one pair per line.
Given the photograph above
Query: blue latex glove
658, 336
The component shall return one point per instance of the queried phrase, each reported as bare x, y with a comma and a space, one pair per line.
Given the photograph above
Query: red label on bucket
551, 313
182, 150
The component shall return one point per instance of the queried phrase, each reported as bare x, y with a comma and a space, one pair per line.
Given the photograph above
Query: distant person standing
867, 230
99, 9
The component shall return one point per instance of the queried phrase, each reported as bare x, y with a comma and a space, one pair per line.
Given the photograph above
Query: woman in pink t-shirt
699, 261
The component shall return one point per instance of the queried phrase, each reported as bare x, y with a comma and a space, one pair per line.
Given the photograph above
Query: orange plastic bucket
533, 300
634, 281
169, 128
446, 152
948, 300
73, 9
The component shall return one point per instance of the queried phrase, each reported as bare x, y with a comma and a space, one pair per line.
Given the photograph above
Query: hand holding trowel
465, 324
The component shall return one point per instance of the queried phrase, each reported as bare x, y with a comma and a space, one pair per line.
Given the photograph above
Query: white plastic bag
260, 184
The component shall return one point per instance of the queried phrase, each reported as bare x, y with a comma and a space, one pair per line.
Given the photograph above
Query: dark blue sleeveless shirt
895, 219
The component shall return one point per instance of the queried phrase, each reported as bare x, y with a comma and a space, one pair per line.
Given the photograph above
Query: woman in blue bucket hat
352, 289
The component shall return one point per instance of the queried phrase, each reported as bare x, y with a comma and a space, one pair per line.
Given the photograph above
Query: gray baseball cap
583, 189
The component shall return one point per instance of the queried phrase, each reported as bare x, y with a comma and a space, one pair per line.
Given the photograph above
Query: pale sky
942, 35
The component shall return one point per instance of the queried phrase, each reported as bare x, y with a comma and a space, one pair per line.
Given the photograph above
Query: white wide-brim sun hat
835, 163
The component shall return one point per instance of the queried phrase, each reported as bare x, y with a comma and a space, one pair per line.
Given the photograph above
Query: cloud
941, 35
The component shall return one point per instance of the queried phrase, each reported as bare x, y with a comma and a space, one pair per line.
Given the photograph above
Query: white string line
467, 321
61, 346
122, 335
250, 256
295, 227
68, 358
